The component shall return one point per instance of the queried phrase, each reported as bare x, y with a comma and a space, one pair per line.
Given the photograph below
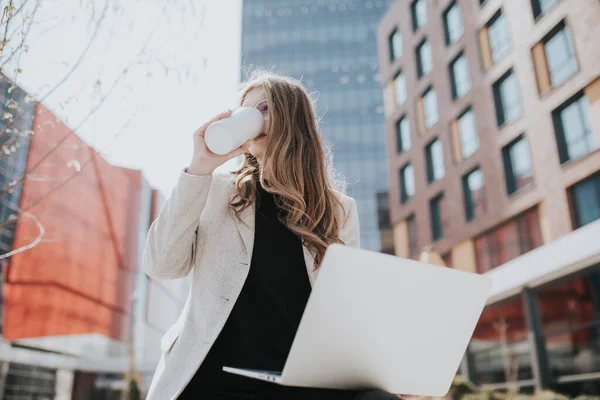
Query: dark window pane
508, 241
434, 155
400, 88
585, 198
430, 108
560, 55
499, 37
467, 131
570, 314
396, 48
403, 141
424, 60
573, 129
435, 212
517, 165
407, 183
459, 77
507, 98
541, 6
500, 338
413, 246
419, 13
473, 190
453, 24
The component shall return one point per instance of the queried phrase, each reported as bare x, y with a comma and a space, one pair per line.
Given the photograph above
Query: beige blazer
195, 232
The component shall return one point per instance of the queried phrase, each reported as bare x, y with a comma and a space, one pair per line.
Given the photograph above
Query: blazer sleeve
350, 232
170, 246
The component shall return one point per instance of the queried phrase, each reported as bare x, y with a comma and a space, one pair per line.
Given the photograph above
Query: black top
261, 327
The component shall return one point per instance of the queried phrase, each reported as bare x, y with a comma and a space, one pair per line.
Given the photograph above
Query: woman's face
256, 97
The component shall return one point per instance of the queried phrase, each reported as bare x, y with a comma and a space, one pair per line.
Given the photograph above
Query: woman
253, 240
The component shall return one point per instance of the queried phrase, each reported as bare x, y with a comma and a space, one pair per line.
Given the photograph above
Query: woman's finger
217, 117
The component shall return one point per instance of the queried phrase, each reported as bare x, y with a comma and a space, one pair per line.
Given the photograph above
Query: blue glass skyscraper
331, 46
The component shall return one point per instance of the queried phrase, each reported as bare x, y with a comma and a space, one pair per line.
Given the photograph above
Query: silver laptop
375, 321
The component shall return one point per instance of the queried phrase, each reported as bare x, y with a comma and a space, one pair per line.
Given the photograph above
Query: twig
64, 78
13, 217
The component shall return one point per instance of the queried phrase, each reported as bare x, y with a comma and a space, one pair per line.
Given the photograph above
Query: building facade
75, 303
492, 126
331, 46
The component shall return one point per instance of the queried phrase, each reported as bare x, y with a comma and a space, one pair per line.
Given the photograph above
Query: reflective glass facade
331, 46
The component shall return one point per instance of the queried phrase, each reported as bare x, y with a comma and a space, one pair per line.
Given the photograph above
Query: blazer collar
247, 226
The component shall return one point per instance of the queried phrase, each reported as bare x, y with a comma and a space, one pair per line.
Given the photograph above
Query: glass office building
331, 46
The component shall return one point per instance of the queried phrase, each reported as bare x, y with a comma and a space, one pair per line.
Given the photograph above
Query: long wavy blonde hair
298, 170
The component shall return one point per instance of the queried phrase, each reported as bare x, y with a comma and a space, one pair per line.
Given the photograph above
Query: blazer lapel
246, 226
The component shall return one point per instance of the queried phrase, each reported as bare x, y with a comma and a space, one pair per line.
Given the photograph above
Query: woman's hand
204, 161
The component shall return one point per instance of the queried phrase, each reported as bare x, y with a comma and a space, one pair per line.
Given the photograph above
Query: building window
436, 212
418, 10
554, 58
517, 165
473, 190
435, 161
540, 7
560, 55
400, 88
395, 42
494, 40
407, 183
453, 24
430, 109
500, 339
424, 60
573, 128
413, 246
571, 334
464, 135
508, 241
403, 142
585, 201
507, 98
460, 81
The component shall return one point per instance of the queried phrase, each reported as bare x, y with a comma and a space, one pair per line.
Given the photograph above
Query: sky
187, 72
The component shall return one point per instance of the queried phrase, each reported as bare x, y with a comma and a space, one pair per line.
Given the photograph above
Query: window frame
575, 214
399, 135
418, 56
435, 216
392, 53
430, 162
413, 240
430, 89
404, 196
536, 8
453, 84
500, 102
470, 214
447, 38
398, 74
509, 175
559, 129
560, 27
414, 15
469, 109
495, 18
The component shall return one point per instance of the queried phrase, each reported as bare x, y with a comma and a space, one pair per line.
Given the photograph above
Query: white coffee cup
227, 134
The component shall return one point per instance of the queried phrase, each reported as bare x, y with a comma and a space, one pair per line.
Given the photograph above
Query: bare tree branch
12, 218
67, 75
